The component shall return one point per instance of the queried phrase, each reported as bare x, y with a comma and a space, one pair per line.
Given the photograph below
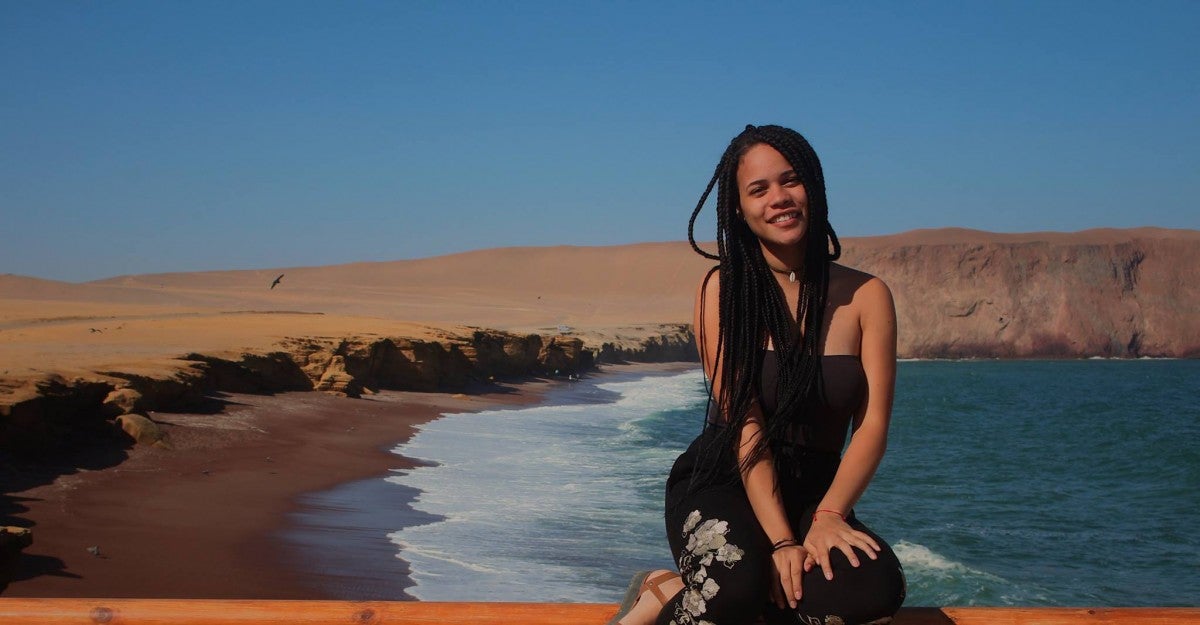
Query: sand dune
601, 292
146, 320
502, 288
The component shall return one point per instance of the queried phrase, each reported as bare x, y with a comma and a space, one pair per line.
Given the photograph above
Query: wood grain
17, 611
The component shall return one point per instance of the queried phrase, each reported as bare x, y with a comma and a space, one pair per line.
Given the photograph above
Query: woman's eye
791, 182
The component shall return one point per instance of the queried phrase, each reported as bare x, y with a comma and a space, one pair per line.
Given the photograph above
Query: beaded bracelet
840, 515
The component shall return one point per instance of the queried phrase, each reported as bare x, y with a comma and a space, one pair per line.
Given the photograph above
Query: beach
203, 520
212, 517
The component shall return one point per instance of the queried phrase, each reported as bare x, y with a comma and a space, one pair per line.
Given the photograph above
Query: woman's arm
762, 490
877, 321
758, 479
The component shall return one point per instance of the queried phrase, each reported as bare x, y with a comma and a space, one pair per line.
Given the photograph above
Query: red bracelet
840, 515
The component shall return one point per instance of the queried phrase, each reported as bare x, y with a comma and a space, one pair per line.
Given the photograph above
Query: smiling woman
774, 206
759, 509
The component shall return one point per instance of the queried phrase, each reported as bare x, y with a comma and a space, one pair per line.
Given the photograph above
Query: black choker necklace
791, 273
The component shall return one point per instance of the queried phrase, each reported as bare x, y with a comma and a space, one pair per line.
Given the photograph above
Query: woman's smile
789, 218
773, 202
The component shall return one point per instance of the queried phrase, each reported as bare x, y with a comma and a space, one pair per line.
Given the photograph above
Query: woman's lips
784, 219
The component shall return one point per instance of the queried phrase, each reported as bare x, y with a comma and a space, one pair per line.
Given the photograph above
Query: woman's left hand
829, 532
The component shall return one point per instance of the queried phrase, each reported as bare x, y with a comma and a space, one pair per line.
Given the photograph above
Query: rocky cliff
674, 343
53, 412
1107, 293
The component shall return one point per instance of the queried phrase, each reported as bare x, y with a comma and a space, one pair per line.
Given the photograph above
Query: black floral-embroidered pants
724, 556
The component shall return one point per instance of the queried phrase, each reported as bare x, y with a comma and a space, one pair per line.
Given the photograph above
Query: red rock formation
1110, 293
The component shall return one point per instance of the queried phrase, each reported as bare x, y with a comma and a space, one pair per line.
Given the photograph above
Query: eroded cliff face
53, 412
675, 343
1126, 297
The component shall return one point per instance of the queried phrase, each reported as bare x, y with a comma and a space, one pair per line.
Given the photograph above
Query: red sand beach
203, 520
209, 519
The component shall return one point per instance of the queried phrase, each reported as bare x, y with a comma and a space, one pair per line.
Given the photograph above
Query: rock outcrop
677, 343
143, 430
1120, 294
12, 541
54, 412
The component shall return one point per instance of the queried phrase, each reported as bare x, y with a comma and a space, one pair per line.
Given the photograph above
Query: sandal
637, 587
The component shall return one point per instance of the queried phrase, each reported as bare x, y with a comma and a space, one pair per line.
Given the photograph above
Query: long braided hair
753, 308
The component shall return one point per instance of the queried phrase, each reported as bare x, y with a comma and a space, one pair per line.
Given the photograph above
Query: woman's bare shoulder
710, 282
852, 285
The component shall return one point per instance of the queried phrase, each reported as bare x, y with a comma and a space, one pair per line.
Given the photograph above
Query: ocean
1006, 483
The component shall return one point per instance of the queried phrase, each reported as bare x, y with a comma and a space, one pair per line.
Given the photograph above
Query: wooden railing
22, 611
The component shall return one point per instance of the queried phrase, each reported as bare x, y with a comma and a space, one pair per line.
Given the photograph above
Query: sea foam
556, 502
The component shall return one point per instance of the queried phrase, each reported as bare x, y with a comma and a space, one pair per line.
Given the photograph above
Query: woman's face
774, 203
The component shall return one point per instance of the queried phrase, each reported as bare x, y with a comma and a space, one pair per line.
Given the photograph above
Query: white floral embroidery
693, 602
706, 544
729, 553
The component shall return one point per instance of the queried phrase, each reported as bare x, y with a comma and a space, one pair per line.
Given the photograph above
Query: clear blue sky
140, 137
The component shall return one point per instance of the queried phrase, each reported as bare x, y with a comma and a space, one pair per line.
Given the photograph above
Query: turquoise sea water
1005, 483
1045, 483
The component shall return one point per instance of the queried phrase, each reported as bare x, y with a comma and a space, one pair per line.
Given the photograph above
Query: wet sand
239, 508
209, 518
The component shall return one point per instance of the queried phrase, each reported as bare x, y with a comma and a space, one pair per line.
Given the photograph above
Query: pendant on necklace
792, 277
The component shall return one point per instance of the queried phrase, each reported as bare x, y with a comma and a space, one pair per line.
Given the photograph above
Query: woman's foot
657, 589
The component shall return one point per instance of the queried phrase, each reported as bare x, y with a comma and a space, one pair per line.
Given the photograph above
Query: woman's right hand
787, 564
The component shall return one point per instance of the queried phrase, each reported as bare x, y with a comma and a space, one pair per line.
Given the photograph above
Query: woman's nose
776, 196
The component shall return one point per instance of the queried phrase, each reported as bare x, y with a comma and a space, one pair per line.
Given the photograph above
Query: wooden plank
18, 611
22, 611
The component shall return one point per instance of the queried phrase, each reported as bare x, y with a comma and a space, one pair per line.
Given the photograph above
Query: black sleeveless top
830, 412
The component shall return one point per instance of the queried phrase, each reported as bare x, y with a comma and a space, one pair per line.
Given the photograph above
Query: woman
798, 350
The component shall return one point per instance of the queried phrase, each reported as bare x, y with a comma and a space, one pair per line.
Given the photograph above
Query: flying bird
277, 281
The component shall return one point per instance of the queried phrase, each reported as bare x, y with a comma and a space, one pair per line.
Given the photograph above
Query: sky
161, 136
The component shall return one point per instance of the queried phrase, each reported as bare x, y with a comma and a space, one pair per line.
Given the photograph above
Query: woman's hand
789, 564
828, 532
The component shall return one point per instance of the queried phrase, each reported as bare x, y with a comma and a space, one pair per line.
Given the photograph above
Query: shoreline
370, 565
202, 520
216, 518
521, 492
